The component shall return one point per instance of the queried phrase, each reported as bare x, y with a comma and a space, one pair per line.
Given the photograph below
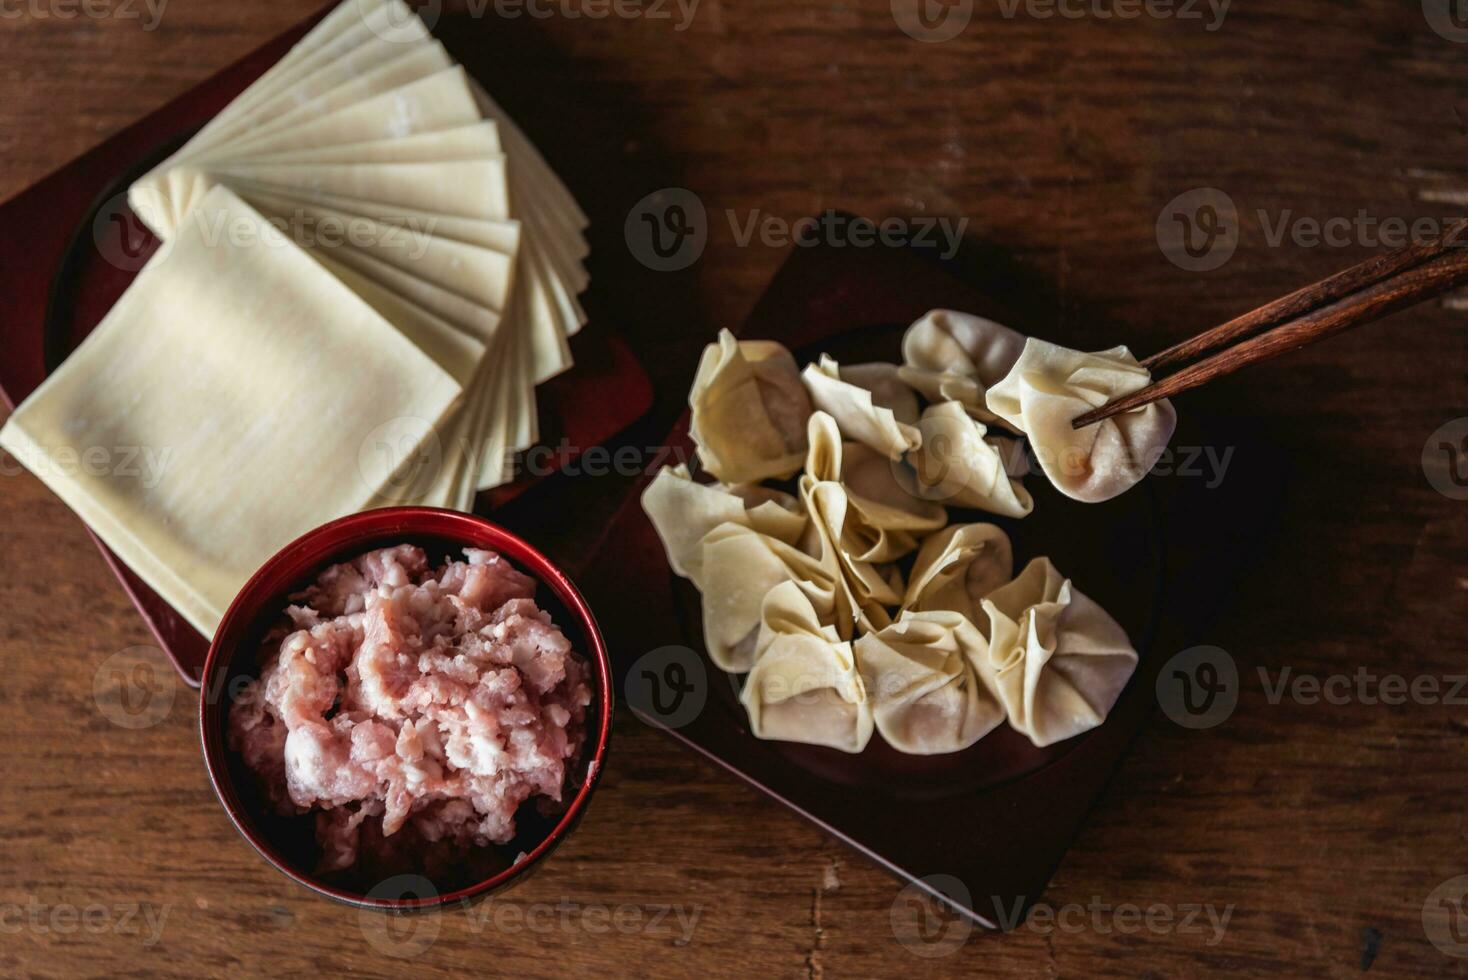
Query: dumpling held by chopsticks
1049, 386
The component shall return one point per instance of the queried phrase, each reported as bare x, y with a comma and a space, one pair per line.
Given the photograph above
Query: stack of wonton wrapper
366, 270
852, 603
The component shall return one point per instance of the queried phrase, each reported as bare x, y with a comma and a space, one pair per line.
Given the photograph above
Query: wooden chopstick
1361, 294
1312, 297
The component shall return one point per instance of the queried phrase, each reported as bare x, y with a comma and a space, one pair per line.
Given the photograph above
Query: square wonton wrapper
369, 115
264, 380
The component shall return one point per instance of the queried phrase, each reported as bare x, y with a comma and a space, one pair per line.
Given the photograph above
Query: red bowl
232, 658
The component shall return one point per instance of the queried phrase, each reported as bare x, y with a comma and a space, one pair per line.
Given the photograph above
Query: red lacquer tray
74, 247
980, 830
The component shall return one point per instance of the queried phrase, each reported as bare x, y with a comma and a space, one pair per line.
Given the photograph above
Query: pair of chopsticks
1361, 294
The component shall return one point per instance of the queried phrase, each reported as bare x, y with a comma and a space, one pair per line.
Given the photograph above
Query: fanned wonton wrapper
749, 411
958, 357
858, 412
884, 521
1059, 661
1051, 385
957, 568
864, 589
683, 512
738, 568
923, 676
805, 686
960, 464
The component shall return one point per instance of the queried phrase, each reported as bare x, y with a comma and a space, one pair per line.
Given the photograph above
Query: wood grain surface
1323, 830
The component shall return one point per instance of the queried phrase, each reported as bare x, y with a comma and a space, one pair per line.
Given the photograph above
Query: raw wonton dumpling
937, 386
950, 356
885, 520
738, 568
925, 679
804, 686
961, 465
864, 589
1051, 385
684, 511
957, 568
888, 389
749, 411
858, 413
1059, 661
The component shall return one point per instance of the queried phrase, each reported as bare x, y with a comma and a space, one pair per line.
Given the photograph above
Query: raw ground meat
413, 707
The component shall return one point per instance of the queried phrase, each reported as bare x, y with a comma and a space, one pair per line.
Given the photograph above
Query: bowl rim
321, 544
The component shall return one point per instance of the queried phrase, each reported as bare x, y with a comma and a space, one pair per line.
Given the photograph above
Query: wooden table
1321, 828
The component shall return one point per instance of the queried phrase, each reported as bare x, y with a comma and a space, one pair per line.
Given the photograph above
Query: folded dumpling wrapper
961, 465
228, 355
952, 356
859, 412
804, 686
865, 589
926, 679
1059, 662
938, 386
885, 520
684, 512
738, 567
1051, 385
888, 389
947, 341
749, 411
957, 568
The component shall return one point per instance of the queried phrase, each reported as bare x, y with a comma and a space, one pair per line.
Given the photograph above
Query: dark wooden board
981, 830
